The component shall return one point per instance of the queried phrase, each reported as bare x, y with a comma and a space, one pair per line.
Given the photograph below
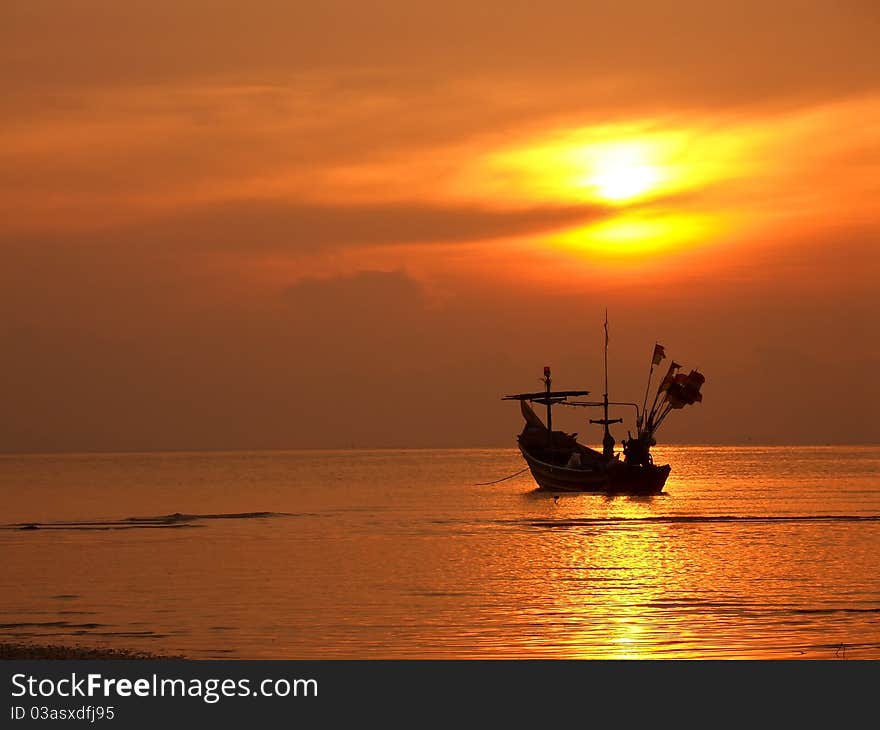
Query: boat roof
543, 396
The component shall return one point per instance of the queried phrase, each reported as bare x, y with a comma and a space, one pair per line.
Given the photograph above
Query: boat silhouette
559, 463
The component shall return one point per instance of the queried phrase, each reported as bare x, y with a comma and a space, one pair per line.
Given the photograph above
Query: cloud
382, 291
712, 53
258, 227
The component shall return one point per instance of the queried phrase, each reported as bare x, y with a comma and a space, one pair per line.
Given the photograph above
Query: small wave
90, 526
441, 594
77, 613
175, 520
695, 519
833, 610
133, 634
50, 624
754, 609
183, 517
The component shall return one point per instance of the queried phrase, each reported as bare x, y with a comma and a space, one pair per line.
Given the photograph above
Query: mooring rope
510, 476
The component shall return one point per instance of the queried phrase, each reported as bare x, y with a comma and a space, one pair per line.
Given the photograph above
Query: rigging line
511, 476
647, 389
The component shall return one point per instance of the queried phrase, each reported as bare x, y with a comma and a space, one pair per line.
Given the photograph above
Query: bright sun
592, 165
621, 172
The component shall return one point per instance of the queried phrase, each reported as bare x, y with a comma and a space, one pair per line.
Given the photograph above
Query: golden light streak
619, 165
639, 234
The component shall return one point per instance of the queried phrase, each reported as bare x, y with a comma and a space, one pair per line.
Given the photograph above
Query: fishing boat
559, 463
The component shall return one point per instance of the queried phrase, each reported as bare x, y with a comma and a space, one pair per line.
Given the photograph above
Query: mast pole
606, 371
549, 413
607, 439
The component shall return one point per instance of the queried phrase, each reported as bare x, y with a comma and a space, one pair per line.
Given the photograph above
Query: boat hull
613, 477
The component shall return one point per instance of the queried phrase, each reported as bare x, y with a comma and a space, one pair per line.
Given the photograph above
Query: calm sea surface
751, 552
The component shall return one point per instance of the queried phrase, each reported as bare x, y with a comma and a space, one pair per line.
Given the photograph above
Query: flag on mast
659, 354
670, 377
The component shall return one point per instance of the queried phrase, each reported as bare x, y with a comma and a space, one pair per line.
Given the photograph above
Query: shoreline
27, 652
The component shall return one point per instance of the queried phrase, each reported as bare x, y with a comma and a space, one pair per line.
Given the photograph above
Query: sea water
751, 552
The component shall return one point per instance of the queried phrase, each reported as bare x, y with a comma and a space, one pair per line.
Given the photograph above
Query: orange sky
230, 226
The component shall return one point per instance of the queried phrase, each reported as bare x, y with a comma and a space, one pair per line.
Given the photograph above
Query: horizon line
133, 452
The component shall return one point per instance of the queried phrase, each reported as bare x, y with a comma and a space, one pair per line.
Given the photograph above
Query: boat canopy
554, 396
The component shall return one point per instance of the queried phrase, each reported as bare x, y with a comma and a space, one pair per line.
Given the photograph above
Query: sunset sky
280, 225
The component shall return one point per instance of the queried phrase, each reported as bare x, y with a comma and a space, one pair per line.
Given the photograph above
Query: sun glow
606, 165
640, 234
623, 172
631, 193
646, 188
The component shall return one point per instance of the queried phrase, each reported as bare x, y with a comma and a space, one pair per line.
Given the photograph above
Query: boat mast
605, 397
607, 439
549, 402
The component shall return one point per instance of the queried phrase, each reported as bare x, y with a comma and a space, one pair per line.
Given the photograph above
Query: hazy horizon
283, 226
498, 447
